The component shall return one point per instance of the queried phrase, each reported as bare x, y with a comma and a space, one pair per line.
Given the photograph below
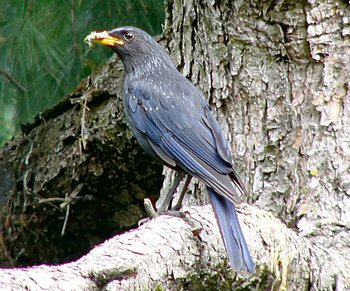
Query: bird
173, 122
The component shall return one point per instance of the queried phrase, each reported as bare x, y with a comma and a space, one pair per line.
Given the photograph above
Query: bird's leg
166, 201
183, 192
175, 210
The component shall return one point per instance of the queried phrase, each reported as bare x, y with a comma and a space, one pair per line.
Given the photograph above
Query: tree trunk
276, 73
75, 177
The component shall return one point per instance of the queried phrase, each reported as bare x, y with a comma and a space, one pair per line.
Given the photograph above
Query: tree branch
166, 252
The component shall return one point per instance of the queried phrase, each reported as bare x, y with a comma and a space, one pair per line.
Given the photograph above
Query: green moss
102, 278
223, 278
271, 150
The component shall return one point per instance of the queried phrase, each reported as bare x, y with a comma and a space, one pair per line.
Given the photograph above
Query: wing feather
185, 131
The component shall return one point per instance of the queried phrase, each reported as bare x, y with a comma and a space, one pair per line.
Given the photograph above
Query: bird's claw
175, 212
153, 213
143, 221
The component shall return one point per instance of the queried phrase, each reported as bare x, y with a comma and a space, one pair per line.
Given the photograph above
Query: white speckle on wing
184, 98
157, 108
172, 106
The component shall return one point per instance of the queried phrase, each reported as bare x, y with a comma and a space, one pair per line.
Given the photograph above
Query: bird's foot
143, 221
175, 212
150, 210
153, 213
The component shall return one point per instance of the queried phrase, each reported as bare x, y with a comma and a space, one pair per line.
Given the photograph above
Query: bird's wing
180, 123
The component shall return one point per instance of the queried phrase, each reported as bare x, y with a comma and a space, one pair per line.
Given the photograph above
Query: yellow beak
111, 41
103, 38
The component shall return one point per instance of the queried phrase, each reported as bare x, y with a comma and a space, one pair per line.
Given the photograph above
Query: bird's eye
128, 35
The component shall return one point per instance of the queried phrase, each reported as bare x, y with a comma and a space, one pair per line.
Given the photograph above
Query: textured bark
277, 75
50, 183
166, 254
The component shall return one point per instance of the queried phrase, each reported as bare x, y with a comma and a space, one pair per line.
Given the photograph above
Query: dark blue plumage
172, 121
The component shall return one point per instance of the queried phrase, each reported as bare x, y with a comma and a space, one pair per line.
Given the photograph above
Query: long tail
231, 233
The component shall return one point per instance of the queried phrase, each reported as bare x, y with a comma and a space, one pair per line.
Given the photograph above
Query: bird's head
134, 46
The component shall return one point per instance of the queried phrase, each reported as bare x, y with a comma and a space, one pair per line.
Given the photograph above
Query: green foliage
42, 54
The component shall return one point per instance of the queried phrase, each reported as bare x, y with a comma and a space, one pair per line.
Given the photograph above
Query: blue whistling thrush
172, 121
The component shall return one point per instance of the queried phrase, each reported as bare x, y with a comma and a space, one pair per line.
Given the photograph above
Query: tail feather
231, 232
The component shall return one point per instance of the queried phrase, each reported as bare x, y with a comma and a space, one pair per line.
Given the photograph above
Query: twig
66, 204
83, 132
83, 128
65, 218
52, 199
72, 196
13, 80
